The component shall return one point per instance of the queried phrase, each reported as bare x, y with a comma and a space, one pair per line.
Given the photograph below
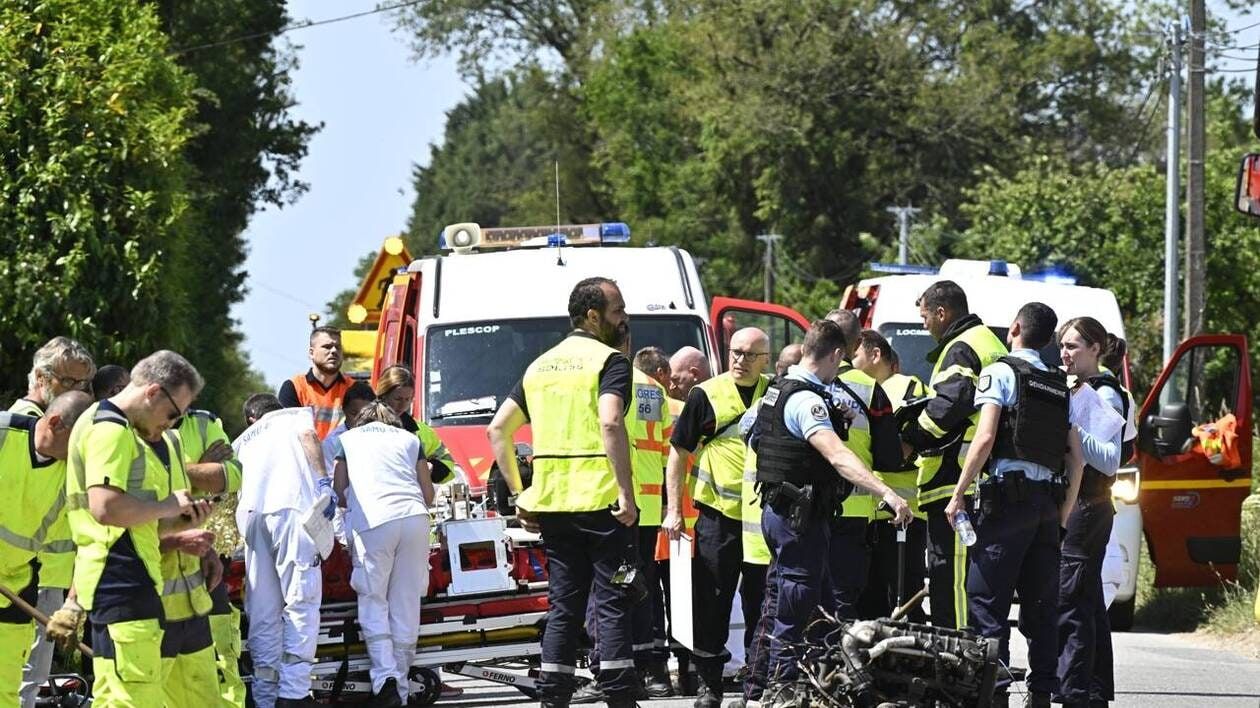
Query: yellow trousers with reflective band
133, 676
15, 644
191, 680
227, 646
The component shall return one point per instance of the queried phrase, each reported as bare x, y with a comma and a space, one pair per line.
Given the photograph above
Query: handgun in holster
800, 504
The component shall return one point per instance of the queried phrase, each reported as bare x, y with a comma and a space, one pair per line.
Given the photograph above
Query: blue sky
381, 111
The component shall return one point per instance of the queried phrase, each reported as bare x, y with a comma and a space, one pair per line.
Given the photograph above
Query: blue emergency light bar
899, 269
608, 233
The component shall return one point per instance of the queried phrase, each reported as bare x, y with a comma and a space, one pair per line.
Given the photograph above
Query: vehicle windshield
472, 366
913, 343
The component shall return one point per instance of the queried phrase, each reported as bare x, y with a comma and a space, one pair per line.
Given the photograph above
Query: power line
1236, 30
296, 26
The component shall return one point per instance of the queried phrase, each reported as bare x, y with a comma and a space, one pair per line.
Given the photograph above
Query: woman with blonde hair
383, 478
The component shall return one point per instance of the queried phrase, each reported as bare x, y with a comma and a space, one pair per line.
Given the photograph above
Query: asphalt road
1151, 670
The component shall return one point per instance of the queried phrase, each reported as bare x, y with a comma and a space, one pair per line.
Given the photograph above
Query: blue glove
325, 485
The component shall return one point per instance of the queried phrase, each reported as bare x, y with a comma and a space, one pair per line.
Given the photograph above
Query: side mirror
1247, 192
1168, 433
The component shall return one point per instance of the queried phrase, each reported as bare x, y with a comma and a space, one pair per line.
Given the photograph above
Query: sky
381, 110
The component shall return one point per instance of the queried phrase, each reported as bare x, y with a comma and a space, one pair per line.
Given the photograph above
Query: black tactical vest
1036, 428
782, 457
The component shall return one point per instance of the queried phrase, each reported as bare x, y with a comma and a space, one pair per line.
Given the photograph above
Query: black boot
709, 694
656, 680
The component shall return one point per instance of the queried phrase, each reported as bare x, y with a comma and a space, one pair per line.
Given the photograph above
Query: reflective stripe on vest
719, 470
184, 593
147, 478
571, 470
326, 404
754, 543
988, 349
38, 501
646, 420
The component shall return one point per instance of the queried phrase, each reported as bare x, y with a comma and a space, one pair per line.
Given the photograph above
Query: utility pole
1172, 197
904, 215
768, 267
1196, 250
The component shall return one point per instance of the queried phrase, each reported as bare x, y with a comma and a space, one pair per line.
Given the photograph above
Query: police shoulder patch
984, 383
819, 411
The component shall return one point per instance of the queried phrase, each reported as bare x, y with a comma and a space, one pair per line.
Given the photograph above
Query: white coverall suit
283, 585
388, 523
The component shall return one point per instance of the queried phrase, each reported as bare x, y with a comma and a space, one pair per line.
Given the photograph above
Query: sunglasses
175, 413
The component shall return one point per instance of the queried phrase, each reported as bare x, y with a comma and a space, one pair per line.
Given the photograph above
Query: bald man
688, 367
709, 428
788, 356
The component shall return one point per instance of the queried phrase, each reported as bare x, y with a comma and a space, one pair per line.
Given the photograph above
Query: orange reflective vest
325, 402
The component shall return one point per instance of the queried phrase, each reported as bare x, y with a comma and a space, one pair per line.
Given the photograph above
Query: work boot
709, 694
388, 696
589, 692
1037, 700
656, 680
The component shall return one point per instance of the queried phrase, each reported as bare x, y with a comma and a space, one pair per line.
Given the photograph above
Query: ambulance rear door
1191, 506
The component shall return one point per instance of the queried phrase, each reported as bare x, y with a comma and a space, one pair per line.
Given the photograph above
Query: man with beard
582, 494
323, 386
709, 428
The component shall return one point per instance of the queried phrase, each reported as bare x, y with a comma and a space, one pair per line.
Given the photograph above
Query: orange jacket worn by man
323, 386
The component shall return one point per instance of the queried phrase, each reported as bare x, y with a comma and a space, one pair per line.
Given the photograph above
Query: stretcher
482, 614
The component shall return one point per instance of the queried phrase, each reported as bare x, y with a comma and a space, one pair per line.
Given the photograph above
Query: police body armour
1036, 428
782, 457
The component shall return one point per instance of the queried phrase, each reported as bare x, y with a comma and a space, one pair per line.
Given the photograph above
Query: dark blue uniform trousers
799, 565
644, 617
1085, 659
584, 550
1017, 547
849, 565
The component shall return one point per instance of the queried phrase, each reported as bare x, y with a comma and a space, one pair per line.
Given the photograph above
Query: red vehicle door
784, 325
1191, 506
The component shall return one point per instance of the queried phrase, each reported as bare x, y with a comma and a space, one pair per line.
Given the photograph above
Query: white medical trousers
39, 661
391, 574
282, 595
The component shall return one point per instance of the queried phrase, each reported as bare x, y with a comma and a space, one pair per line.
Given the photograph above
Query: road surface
1151, 670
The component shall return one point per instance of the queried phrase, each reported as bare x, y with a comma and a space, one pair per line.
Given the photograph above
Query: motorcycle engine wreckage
887, 663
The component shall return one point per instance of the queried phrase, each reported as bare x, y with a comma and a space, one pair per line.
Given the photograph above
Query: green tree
1107, 225
94, 119
244, 155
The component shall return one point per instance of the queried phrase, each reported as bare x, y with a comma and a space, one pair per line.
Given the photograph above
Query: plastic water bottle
966, 532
